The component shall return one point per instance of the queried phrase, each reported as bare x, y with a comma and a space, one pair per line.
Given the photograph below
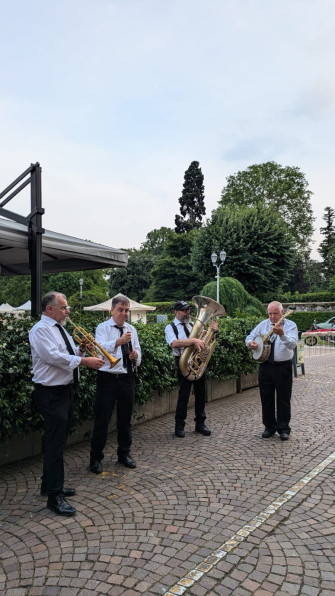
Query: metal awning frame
33, 221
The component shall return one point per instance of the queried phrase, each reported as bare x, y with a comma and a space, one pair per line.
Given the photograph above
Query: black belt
54, 386
115, 375
278, 363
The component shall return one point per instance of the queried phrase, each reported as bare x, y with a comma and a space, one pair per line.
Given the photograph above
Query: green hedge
18, 415
309, 297
304, 320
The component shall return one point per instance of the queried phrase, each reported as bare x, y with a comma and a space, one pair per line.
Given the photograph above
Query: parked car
310, 337
330, 324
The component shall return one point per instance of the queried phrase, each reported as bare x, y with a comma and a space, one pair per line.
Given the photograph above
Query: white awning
59, 252
5, 307
26, 306
134, 306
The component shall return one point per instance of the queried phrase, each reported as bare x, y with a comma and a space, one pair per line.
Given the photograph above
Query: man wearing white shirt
55, 373
177, 335
115, 385
275, 374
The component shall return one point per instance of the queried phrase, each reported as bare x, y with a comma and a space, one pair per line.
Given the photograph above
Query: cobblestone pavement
227, 514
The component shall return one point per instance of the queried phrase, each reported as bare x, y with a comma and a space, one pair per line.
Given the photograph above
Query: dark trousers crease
275, 386
56, 407
200, 393
113, 390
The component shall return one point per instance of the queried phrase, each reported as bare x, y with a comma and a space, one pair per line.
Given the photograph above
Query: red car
311, 336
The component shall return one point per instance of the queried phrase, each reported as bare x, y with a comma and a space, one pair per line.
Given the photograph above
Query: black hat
181, 305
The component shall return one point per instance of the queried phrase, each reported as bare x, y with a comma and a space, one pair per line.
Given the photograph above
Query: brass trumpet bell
85, 339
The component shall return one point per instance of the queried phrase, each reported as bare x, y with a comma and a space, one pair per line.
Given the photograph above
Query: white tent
138, 311
26, 306
5, 307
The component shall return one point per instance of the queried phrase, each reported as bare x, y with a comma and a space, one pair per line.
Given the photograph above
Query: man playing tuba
177, 336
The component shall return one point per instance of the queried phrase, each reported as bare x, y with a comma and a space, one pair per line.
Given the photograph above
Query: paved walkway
229, 514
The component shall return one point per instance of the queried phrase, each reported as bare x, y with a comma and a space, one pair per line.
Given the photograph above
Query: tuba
193, 363
84, 339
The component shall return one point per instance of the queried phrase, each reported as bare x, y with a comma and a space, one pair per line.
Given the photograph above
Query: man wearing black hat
177, 336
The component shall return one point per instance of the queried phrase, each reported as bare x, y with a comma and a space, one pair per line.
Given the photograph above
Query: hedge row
304, 320
309, 297
18, 415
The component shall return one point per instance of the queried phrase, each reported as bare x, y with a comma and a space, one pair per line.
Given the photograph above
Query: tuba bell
193, 363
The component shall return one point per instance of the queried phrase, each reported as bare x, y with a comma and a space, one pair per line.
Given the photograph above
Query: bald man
275, 374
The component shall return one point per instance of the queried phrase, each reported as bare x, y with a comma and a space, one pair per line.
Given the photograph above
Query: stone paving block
145, 530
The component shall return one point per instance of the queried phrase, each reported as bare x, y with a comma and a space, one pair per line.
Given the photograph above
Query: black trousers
275, 386
111, 389
200, 393
56, 406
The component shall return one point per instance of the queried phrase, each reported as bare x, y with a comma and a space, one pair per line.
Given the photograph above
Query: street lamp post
214, 259
81, 282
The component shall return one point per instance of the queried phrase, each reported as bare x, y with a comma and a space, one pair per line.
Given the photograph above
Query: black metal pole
36, 232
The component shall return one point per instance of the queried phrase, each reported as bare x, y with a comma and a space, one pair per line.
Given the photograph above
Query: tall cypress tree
327, 246
192, 200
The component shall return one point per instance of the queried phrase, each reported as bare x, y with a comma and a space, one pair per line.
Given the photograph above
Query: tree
327, 246
68, 282
135, 279
172, 275
15, 290
285, 188
156, 240
192, 201
258, 244
315, 276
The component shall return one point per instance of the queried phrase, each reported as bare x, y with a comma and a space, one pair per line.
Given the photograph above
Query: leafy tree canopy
156, 240
192, 200
135, 279
172, 276
285, 188
68, 282
258, 244
16, 289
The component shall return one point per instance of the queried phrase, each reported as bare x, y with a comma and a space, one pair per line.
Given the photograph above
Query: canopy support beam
34, 223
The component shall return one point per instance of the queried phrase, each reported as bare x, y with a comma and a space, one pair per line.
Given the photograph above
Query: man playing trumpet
115, 385
56, 360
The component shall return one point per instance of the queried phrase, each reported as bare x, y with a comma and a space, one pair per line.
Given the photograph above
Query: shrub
234, 297
18, 415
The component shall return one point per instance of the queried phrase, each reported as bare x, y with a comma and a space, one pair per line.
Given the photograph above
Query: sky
115, 99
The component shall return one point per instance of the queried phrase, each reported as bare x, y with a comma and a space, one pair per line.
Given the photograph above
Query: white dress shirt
106, 335
170, 335
284, 345
52, 363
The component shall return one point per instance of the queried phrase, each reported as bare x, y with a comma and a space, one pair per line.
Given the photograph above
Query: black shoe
127, 461
66, 492
179, 432
284, 436
60, 506
202, 429
269, 432
95, 466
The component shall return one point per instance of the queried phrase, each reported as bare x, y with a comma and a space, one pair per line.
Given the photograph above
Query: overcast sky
115, 99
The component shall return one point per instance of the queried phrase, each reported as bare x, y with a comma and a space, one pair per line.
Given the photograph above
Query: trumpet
84, 339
